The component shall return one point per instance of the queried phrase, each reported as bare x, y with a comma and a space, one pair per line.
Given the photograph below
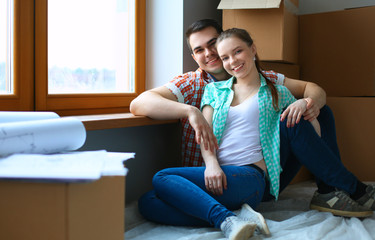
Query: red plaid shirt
188, 88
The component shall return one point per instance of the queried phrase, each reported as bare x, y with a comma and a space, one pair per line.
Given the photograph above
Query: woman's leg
181, 198
154, 209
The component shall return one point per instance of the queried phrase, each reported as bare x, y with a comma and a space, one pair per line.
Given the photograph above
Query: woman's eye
238, 51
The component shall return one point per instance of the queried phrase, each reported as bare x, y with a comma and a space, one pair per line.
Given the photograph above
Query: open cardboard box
63, 211
273, 26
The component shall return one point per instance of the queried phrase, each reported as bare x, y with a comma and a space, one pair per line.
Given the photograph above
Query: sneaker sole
341, 213
245, 232
265, 230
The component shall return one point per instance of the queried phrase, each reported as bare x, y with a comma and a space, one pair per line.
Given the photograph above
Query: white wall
317, 6
164, 39
167, 54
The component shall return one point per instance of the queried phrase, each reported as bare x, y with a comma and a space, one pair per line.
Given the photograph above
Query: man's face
203, 46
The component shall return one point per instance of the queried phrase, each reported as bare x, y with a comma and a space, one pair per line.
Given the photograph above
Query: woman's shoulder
219, 85
282, 89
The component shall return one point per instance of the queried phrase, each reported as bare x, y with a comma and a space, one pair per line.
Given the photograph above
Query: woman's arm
314, 94
214, 177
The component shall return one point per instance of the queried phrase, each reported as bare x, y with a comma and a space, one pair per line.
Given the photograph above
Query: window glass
88, 46
6, 47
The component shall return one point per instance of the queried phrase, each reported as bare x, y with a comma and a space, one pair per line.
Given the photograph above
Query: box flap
246, 4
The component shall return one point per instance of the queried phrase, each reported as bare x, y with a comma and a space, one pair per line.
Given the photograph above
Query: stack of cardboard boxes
336, 50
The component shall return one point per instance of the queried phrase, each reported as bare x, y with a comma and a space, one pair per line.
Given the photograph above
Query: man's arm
303, 89
161, 103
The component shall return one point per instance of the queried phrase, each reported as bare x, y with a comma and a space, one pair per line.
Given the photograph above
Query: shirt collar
205, 75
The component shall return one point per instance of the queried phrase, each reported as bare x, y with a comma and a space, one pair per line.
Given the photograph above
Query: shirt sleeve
285, 97
182, 87
274, 77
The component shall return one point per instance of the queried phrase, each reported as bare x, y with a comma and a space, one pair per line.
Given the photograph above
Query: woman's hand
294, 112
312, 111
215, 179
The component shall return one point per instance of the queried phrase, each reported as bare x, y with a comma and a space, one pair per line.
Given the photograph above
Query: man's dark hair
199, 26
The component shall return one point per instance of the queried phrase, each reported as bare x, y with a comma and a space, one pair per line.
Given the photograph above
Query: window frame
22, 98
31, 67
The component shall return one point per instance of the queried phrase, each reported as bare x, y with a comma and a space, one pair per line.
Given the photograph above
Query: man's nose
208, 51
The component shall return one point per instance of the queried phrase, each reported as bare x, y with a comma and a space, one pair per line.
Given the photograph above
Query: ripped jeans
180, 197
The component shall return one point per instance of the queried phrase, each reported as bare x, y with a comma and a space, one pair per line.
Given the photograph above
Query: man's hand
215, 179
203, 131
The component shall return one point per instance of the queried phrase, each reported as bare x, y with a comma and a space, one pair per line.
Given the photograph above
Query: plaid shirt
219, 95
188, 88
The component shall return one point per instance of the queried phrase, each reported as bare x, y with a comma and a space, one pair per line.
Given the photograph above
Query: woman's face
237, 56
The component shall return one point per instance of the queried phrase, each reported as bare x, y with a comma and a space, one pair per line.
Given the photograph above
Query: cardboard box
273, 26
337, 51
63, 211
289, 70
354, 117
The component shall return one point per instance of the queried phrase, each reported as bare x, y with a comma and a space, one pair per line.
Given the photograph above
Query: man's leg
319, 154
300, 144
288, 161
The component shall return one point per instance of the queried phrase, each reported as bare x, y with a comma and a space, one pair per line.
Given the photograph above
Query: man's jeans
300, 145
181, 198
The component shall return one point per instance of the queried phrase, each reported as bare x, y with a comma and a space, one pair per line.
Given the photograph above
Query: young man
181, 98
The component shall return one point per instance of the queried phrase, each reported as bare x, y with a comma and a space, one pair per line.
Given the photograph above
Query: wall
195, 10
167, 54
164, 39
156, 147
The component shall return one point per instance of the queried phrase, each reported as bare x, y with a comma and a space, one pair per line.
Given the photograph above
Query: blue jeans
180, 197
300, 145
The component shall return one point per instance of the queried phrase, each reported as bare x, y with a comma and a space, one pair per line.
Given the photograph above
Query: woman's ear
253, 49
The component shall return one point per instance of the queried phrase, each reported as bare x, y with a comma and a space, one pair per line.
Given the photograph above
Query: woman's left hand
294, 112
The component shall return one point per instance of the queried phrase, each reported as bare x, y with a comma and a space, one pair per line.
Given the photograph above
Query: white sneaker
236, 229
248, 214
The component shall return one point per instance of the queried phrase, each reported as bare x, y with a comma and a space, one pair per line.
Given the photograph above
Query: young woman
245, 113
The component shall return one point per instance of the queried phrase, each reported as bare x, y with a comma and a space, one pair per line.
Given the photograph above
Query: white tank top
240, 143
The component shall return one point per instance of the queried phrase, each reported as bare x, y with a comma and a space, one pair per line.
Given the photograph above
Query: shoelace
346, 197
372, 192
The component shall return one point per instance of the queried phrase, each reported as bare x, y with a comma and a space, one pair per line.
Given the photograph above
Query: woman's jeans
300, 145
180, 196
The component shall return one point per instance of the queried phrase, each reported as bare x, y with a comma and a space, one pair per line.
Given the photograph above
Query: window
80, 57
6, 35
